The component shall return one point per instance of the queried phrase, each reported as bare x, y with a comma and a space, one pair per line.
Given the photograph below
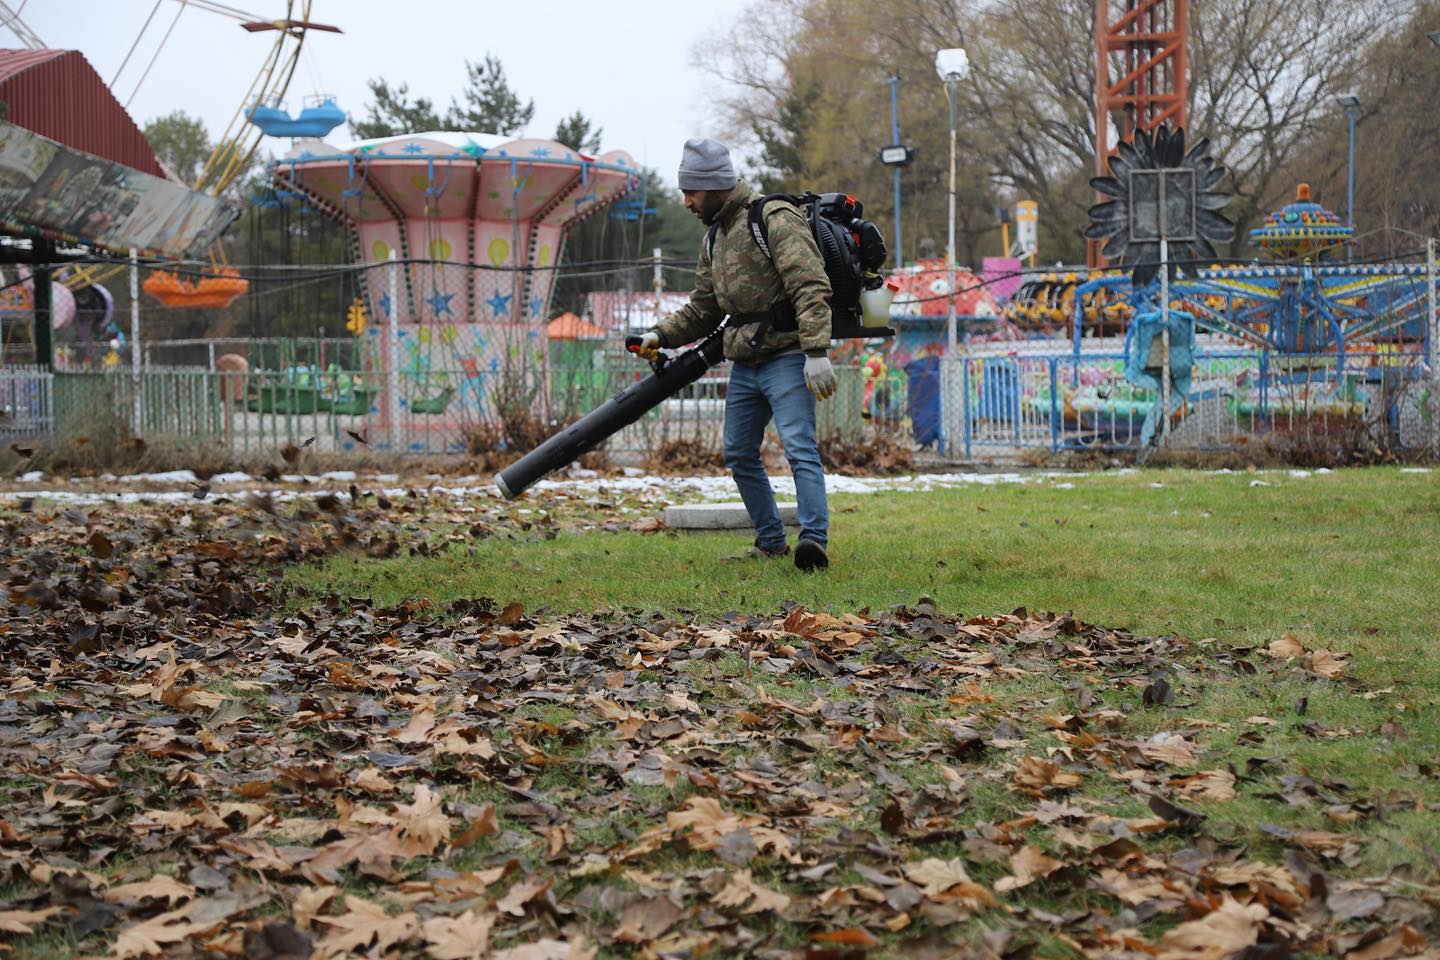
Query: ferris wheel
236, 145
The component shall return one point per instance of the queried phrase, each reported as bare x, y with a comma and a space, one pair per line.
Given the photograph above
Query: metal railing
977, 407
1004, 405
26, 402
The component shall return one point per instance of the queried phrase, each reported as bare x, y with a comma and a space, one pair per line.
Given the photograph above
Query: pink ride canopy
469, 198
476, 223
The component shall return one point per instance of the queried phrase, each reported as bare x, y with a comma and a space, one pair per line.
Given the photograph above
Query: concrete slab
719, 516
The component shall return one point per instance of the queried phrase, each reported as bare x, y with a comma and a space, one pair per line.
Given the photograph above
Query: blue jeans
775, 388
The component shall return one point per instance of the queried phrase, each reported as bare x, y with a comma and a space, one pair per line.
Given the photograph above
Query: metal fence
1003, 406
26, 402
442, 411
970, 408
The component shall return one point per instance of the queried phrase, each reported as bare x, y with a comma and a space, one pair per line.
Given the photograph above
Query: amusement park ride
457, 236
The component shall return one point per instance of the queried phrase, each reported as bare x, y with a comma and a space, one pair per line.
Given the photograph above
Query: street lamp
952, 65
1350, 103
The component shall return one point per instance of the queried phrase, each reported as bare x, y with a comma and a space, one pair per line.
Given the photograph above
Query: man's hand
820, 377
646, 347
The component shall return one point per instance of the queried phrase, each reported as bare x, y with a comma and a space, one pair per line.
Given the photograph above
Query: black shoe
810, 555
758, 552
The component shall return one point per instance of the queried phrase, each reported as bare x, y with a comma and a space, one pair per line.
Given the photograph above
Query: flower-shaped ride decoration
1156, 158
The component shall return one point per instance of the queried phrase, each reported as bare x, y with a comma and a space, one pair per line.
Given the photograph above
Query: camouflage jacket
737, 278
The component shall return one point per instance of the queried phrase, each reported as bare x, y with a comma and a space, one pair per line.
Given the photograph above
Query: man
778, 338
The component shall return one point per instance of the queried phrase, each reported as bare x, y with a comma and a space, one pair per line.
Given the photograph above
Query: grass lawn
1341, 561
631, 744
1346, 558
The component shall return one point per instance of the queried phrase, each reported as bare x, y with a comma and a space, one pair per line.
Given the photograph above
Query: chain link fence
436, 358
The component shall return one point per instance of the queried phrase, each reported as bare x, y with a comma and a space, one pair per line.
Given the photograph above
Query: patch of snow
33, 476
343, 476
171, 476
385, 478
225, 479
1300, 474
1414, 469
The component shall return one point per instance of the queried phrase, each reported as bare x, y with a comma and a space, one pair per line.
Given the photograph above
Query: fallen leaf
646, 920
935, 876
458, 938
1027, 865
19, 921
366, 923
1221, 933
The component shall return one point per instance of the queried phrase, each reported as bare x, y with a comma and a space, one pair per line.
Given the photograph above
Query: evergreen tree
393, 113
489, 104
575, 132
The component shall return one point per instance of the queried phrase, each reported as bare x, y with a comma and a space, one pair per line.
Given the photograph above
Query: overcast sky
626, 63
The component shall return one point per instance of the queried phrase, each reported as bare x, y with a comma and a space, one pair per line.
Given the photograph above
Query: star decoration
440, 303
1110, 221
540, 152
536, 305
385, 304
498, 304
413, 148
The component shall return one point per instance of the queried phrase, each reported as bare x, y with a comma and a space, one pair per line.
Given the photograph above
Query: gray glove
820, 377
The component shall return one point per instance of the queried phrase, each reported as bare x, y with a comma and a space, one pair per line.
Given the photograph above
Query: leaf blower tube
671, 375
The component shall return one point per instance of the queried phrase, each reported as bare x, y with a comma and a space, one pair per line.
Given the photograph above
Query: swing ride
235, 146
460, 234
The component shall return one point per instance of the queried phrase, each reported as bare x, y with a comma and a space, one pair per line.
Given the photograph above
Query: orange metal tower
1141, 71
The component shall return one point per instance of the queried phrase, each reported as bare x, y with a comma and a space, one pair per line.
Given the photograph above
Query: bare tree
1263, 77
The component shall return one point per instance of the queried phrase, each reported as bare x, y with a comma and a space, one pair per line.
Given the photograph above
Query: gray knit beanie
705, 165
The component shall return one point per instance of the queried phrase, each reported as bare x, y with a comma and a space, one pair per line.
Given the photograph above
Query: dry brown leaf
422, 721
1221, 933
646, 920
1038, 774
367, 923
935, 876
1027, 865
18, 921
1286, 648
158, 934
423, 824
466, 937
742, 888
1404, 942
1217, 786
1327, 664
160, 886
548, 949
371, 780
1168, 748
708, 820
309, 903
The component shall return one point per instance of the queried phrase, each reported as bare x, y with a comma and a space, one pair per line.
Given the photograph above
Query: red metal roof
57, 94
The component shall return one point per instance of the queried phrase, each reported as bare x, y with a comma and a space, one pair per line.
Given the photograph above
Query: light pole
1350, 103
952, 65
895, 138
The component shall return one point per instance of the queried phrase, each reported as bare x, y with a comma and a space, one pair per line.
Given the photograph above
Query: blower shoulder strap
755, 221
